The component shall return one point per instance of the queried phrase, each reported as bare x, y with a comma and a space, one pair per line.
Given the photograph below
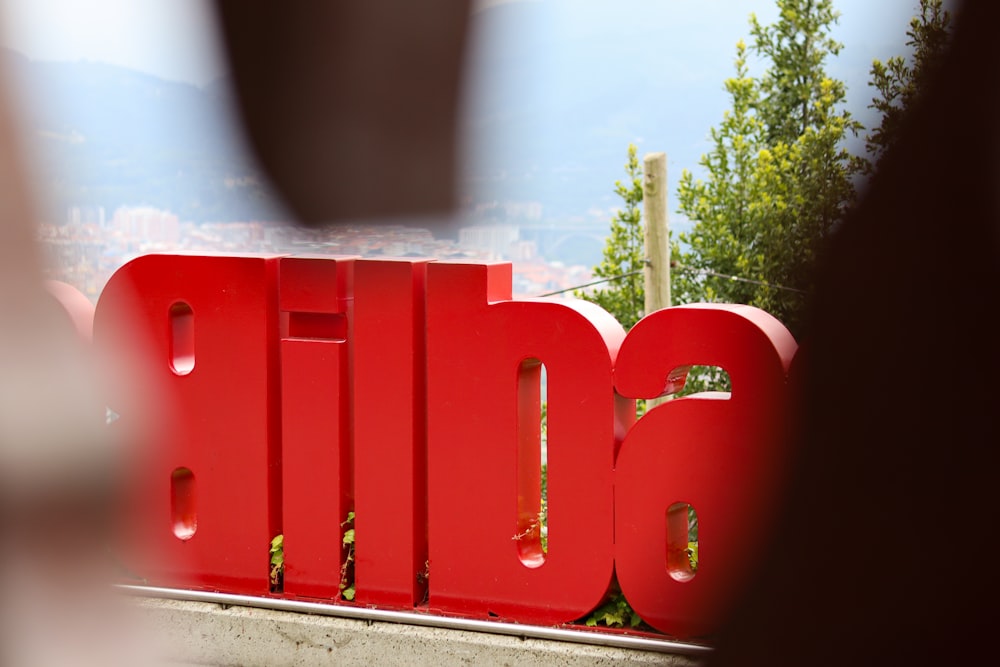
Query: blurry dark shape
57, 459
889, 537
352, 110
351, 106
899, 81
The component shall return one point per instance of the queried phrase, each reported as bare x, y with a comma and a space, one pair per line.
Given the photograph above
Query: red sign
297, 389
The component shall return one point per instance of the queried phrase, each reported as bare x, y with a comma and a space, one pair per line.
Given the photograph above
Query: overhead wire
682, 267
592, 283
715, 274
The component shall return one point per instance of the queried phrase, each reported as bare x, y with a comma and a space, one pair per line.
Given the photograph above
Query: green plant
616, 612
277, 554
692, 552
899, 81
346, 568
543, 513
778, 176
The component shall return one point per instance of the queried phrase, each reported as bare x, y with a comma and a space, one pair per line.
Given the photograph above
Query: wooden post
654, 200
657, 272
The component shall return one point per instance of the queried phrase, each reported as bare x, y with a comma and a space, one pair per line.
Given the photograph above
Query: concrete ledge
205, 633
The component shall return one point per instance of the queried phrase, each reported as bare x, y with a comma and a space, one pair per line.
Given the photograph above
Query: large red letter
390, 432
75, 305
315, 295
203, 499
484, 357
722, 454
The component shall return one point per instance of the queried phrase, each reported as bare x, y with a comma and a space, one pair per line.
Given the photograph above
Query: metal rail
425, 620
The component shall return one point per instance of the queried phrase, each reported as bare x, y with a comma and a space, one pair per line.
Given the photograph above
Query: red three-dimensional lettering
722, 454
295, 389
484, 357
75, 306
315, 298
203, 484
390, 451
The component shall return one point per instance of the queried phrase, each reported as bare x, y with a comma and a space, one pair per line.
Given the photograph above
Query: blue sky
613, 72
605, 74
175, 39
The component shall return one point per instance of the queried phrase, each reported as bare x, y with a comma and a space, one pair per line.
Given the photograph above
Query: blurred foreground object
350, 106
57, 458
888, 539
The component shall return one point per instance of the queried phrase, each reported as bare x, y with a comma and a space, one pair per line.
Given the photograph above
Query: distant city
128, 137
546, 130
93, 243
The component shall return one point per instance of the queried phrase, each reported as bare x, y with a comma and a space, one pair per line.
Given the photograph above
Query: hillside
107, 136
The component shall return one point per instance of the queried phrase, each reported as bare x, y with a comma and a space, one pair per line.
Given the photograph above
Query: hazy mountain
102, 135
537, 128
552, 104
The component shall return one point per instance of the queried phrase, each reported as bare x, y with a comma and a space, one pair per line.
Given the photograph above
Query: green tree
624, 253
779, 177
795, 85
726, 208
898, 81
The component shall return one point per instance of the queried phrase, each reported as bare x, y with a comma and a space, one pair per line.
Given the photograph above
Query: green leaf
615, 613
277, 551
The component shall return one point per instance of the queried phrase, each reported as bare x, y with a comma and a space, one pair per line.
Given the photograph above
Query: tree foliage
898, 81
795, 87
778, 176
624, 253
